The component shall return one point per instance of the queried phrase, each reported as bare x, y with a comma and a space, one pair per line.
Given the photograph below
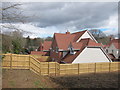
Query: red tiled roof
38, 53
85, 42
117, 45
77, 45
115, 42
47, 45
63, 40
80, 45
78, 35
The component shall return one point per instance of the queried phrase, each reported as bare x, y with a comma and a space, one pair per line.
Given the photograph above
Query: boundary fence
15, 61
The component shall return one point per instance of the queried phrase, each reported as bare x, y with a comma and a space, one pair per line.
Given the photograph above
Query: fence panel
83, 68
34, 65
20, 61
68, 69
74, 69
114, 66
14, 61
44, 68
103, 67
6, 61
52, 68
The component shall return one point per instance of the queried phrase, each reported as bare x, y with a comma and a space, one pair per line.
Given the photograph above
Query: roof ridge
79, 32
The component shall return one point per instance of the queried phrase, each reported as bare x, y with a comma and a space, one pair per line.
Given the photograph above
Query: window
71, 51
57, 49
112, 51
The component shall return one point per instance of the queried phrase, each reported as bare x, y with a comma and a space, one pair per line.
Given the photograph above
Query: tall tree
49, 38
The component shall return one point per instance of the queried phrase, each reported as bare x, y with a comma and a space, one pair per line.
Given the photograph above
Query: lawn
28, 79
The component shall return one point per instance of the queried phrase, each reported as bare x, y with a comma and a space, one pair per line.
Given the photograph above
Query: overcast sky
46, 18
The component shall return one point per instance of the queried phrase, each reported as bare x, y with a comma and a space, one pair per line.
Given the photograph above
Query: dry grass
28, 79
24, 79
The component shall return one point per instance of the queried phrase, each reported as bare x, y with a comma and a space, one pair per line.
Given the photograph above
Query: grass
28, 79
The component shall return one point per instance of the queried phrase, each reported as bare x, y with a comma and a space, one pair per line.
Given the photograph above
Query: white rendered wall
85, 35
91, 55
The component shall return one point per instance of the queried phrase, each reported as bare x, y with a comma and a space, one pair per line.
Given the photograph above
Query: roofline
79, 31
92, 36
81, 36
106, 54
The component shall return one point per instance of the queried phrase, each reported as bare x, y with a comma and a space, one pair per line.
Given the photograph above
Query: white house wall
85, 35
91, 55
115, 51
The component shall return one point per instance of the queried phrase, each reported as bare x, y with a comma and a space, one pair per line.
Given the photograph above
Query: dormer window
57, 49
71, 51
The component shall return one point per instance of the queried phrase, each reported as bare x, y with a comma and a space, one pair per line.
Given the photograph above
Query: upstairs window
57, 49
71, 51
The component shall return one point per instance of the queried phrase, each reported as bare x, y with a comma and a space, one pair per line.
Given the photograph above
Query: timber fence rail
15, 61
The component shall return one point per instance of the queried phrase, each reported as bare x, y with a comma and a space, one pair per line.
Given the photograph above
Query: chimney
67, 32
111, 37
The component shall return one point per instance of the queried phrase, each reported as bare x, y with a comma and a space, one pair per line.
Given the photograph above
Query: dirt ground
28, 79
100, 80
24, 79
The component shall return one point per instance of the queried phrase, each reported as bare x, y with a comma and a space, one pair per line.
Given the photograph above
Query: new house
79, 47
44, 49
113, 49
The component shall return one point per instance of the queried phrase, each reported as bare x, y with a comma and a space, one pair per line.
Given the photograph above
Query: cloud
50, 17
34, 31
80, 15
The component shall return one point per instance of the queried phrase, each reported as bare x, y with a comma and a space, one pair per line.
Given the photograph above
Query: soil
28, 79
99, 80
24, 79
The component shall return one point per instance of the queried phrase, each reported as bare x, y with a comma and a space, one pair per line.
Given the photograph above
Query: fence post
78, 68
11, 61
48, 68
55, 68
29, 62
109, 66
95, 69
59, 69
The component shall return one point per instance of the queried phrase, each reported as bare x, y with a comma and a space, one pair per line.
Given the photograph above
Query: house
79, 47
113, 49
44, 48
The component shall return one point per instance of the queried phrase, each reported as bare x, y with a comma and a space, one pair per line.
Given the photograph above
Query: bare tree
12, 13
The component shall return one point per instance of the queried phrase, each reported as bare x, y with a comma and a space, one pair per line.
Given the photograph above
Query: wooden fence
14, 61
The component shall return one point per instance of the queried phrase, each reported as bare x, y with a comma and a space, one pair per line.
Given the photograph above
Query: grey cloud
79, 15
